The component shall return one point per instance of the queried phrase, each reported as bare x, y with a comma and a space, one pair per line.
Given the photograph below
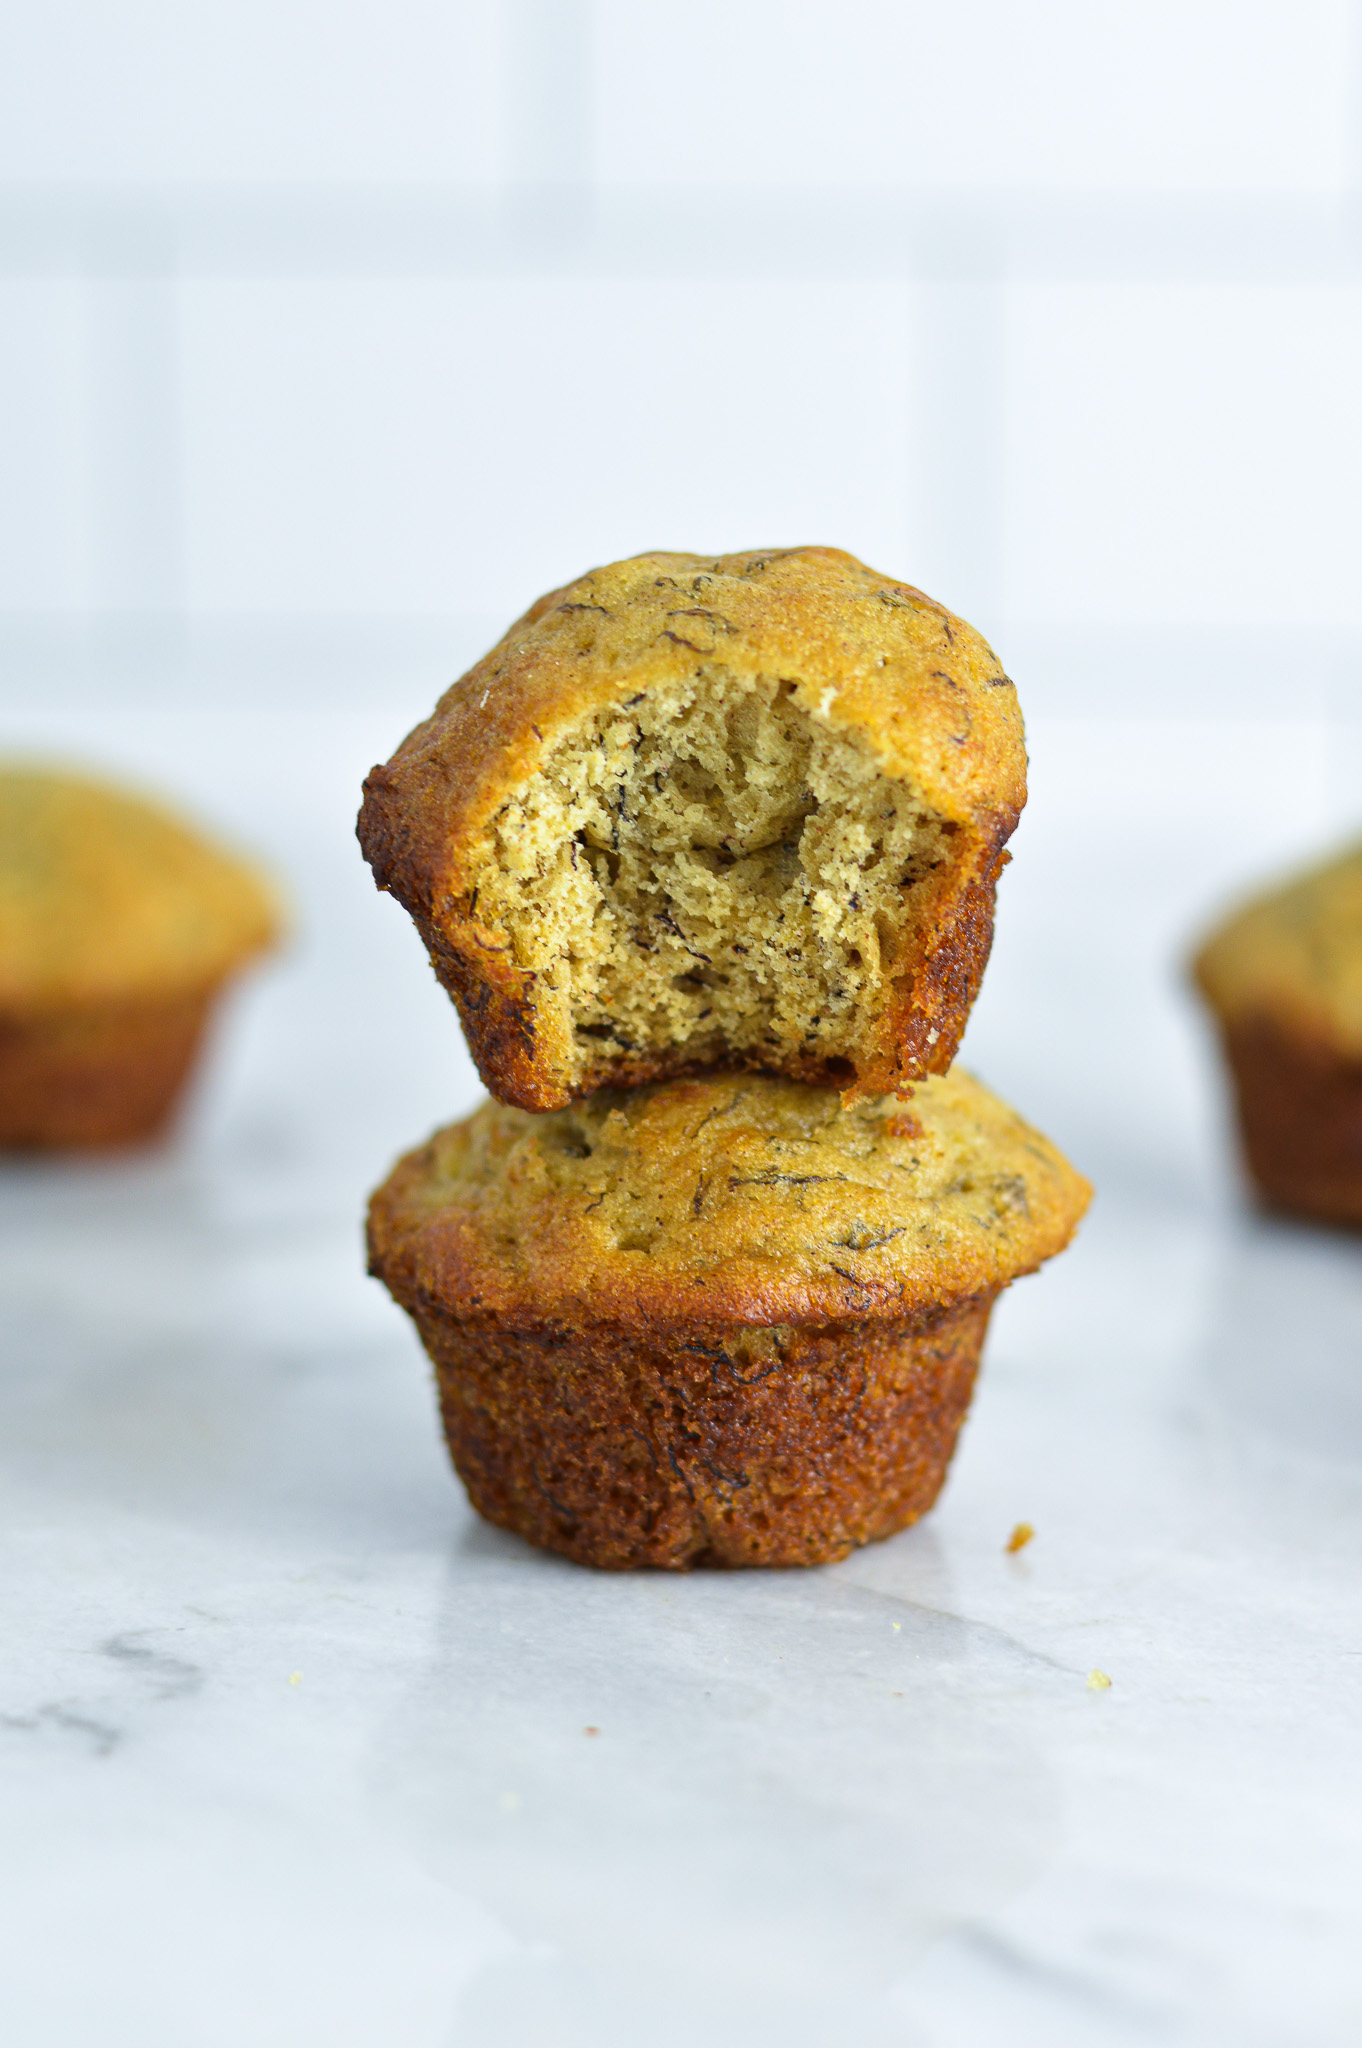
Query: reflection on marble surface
295, 1748
292, 1749
769, 1818
1284, 1351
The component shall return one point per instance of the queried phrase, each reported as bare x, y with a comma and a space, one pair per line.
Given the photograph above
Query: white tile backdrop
1068, 95
330, 335
391, 314
253, 92
431, 444
1185, 452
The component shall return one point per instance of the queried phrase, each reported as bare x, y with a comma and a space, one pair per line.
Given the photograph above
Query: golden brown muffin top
867, 655
106, 898
1295, 956
732, 1198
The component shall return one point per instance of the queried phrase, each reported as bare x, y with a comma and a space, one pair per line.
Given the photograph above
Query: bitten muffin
118, 927
726, 1321
696, 812
1284, 979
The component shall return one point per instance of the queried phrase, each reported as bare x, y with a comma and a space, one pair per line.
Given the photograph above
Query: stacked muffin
705, 851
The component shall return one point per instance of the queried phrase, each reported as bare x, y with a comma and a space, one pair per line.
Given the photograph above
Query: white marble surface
292, 1749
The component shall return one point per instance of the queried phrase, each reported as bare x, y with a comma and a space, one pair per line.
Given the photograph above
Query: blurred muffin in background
119, 926
1284, 979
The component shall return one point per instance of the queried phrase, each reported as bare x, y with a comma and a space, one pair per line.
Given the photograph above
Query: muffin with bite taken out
696, 811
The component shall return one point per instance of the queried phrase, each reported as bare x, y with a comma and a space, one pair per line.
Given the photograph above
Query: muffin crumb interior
712, 866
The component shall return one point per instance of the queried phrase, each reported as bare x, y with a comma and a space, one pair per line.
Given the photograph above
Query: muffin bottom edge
706, 1446
98, 1077
1299, 1107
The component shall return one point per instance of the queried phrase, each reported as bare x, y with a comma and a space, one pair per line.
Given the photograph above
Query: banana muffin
119, 925
730, 1320
1283, 977
695, 812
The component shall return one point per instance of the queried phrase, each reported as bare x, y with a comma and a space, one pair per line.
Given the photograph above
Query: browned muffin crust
743, 811
730, 1320
624, 1449
1283, 976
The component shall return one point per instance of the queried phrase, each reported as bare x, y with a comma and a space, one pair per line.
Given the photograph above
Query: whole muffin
1283, 977
118, 927
693, 812
724, 1321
